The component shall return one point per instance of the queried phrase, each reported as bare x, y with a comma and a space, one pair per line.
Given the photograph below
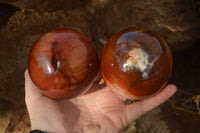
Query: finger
135, 110
31, 90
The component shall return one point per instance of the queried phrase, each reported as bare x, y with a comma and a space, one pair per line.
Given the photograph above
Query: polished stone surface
63, 63
136, 63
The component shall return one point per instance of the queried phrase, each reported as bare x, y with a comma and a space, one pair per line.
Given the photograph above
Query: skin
98, 111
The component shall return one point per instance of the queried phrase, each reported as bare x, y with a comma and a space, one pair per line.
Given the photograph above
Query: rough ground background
178, 21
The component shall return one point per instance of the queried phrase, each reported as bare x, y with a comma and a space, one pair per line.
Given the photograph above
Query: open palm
99, 111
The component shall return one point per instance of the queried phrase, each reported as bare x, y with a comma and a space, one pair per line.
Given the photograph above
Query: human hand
99, 111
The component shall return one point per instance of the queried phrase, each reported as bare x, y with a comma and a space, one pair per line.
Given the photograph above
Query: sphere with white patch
136, 63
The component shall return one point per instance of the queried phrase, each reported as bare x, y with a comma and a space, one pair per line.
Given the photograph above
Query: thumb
135, 110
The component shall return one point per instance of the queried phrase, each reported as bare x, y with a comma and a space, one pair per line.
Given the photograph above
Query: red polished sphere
136, 63
63, 63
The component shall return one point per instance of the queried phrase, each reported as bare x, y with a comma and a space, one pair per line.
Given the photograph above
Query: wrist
36, 131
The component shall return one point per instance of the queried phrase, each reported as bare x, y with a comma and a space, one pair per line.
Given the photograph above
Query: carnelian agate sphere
63, 63
136, 63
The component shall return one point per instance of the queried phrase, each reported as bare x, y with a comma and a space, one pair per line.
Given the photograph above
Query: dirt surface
23, 21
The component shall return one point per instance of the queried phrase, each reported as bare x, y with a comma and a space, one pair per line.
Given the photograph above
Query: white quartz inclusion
137, 59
